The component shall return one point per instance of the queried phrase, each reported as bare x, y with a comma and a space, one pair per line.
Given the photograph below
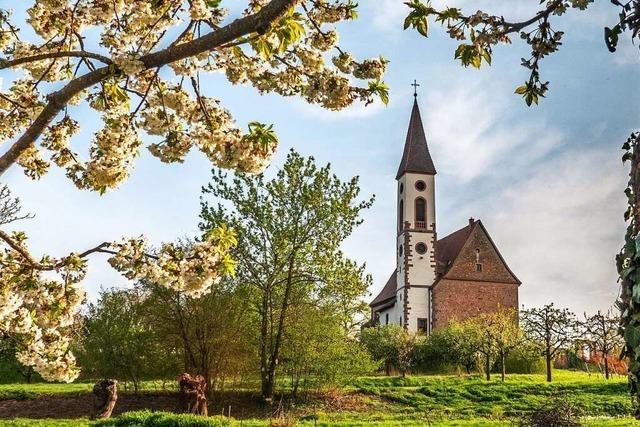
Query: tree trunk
487, 367
268, 388
503, 371
547, 358
105, 395
264, 334
606, 365
193, 394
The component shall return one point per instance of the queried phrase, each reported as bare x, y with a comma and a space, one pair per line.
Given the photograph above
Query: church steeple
416, 157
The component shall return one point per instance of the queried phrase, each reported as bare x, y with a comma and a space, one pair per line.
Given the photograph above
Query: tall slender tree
290, 229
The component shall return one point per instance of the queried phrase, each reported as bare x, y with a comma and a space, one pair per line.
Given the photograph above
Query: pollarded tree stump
193, 394
105, 395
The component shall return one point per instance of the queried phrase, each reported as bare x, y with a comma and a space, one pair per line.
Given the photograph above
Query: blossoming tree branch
144, 78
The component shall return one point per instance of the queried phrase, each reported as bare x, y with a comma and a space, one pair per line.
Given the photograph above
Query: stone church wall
461, 299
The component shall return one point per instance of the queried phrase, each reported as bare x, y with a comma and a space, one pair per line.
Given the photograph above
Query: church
437, 280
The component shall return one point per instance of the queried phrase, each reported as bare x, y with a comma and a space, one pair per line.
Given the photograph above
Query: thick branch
257, 23
517, 26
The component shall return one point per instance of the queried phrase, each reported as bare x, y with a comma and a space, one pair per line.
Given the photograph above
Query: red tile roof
448, 248
388, 293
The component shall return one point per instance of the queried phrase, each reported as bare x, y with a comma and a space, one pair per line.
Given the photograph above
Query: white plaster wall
422, 271
392, 316
419, 304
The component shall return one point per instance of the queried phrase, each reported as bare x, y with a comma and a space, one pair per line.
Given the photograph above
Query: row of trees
498, 340
150, 332
291, 308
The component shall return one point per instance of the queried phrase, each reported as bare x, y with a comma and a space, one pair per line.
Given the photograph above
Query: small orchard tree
290, 229
601, 332
497, 334
142, 77
553, 329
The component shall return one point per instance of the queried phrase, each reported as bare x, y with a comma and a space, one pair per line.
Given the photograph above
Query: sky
546, 181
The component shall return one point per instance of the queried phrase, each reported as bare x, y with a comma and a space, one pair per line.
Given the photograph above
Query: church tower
437, 280
416, 229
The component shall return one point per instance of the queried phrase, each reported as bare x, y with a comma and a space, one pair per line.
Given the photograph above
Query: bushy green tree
119, 343
392, 346
318, 351
454, 345
290, 229
210, 334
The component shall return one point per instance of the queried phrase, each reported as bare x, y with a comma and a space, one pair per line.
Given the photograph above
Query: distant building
437, 279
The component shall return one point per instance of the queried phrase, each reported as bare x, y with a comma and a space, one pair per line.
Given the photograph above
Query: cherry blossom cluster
39, 300
297, 55
193, 269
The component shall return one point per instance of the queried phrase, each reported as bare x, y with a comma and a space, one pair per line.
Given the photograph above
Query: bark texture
105, 395
193, 394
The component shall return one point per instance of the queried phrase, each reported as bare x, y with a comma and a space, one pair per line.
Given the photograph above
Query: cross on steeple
415, 85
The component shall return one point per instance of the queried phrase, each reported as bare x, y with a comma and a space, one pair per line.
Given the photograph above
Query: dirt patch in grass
243, 405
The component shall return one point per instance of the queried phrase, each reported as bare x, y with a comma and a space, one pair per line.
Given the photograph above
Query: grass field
396, 401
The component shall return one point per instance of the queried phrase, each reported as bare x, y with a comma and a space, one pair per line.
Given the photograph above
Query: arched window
420, 213
401, 216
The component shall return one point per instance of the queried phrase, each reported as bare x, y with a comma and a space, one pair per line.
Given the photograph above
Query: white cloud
561, 226
357, 110
470, 131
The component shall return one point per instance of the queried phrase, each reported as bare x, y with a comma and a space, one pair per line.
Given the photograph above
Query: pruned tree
553, 329
290, 229
142, 77
601, 332
495, 336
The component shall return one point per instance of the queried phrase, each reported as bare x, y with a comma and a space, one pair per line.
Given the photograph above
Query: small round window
420, 185
400, 250
421, 248
401, 188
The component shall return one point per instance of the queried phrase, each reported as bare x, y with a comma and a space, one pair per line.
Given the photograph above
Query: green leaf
632, 336
521, 90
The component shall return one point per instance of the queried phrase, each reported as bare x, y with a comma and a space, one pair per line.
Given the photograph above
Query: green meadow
436, 400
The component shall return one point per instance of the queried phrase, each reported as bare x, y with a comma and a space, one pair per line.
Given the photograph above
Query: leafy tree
290, 229
497, 335
601, 332
210, 334
118, 342
318, 350
391, 345
554, 329
454, 344
127, 76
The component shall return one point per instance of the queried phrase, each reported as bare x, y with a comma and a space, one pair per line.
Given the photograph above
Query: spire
416, 157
